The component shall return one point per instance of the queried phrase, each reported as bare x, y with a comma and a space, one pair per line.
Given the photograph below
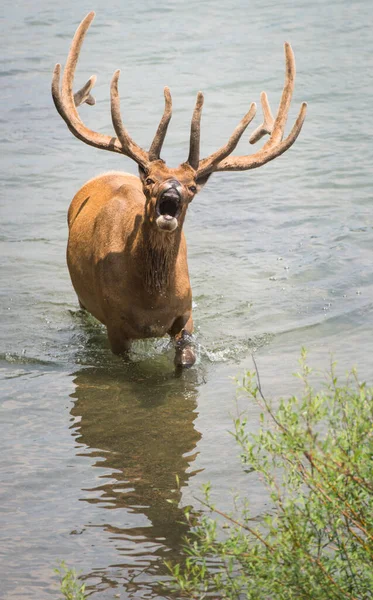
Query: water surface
280, 257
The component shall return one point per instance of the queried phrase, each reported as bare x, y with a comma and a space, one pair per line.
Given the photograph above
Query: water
279, 257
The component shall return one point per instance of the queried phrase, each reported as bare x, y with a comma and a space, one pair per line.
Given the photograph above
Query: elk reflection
140, 425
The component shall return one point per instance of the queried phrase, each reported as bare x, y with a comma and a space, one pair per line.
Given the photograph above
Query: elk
126, 252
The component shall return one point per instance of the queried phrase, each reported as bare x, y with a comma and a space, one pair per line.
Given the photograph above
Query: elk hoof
185, 357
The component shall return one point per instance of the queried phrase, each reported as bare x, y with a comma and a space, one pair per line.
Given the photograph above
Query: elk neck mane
159, 253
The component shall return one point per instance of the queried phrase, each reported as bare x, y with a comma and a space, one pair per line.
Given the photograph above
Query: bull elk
126, 252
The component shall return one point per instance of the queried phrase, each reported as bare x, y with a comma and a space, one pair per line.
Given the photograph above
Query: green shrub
315, 456
70, 586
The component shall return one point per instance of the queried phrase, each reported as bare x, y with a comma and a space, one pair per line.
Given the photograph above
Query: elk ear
143, 172
200, 181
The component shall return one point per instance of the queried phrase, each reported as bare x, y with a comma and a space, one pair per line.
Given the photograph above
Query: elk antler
275, 146
156, 147
195, 133
66, 103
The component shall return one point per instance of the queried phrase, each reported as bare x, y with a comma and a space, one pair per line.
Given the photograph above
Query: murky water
279, 257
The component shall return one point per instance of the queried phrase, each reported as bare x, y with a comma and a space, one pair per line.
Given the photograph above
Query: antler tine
56, 95
156, 147
287, 93
267, 126
243, 163
66, 104
195, 133
129, 147
208, 164
64, 98
84, 94
275, 145
71, 62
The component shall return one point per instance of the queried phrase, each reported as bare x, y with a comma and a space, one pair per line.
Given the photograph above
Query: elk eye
149, 181
193, 189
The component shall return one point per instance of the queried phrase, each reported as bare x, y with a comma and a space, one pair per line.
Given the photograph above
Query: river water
279, 257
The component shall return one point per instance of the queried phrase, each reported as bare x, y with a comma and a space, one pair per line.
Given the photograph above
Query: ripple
229, 351
22, 359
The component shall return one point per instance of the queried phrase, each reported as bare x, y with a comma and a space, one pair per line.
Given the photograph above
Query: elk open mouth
168, 209
169, 204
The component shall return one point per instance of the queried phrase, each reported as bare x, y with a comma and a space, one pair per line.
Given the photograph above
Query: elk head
169, 191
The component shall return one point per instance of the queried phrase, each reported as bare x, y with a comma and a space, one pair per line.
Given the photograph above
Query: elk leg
181, 332
119, 344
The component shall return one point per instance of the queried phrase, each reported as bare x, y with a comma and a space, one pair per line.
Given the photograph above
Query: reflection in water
139, 423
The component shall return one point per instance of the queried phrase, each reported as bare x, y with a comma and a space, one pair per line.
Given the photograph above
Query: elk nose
173, 183
173, 189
